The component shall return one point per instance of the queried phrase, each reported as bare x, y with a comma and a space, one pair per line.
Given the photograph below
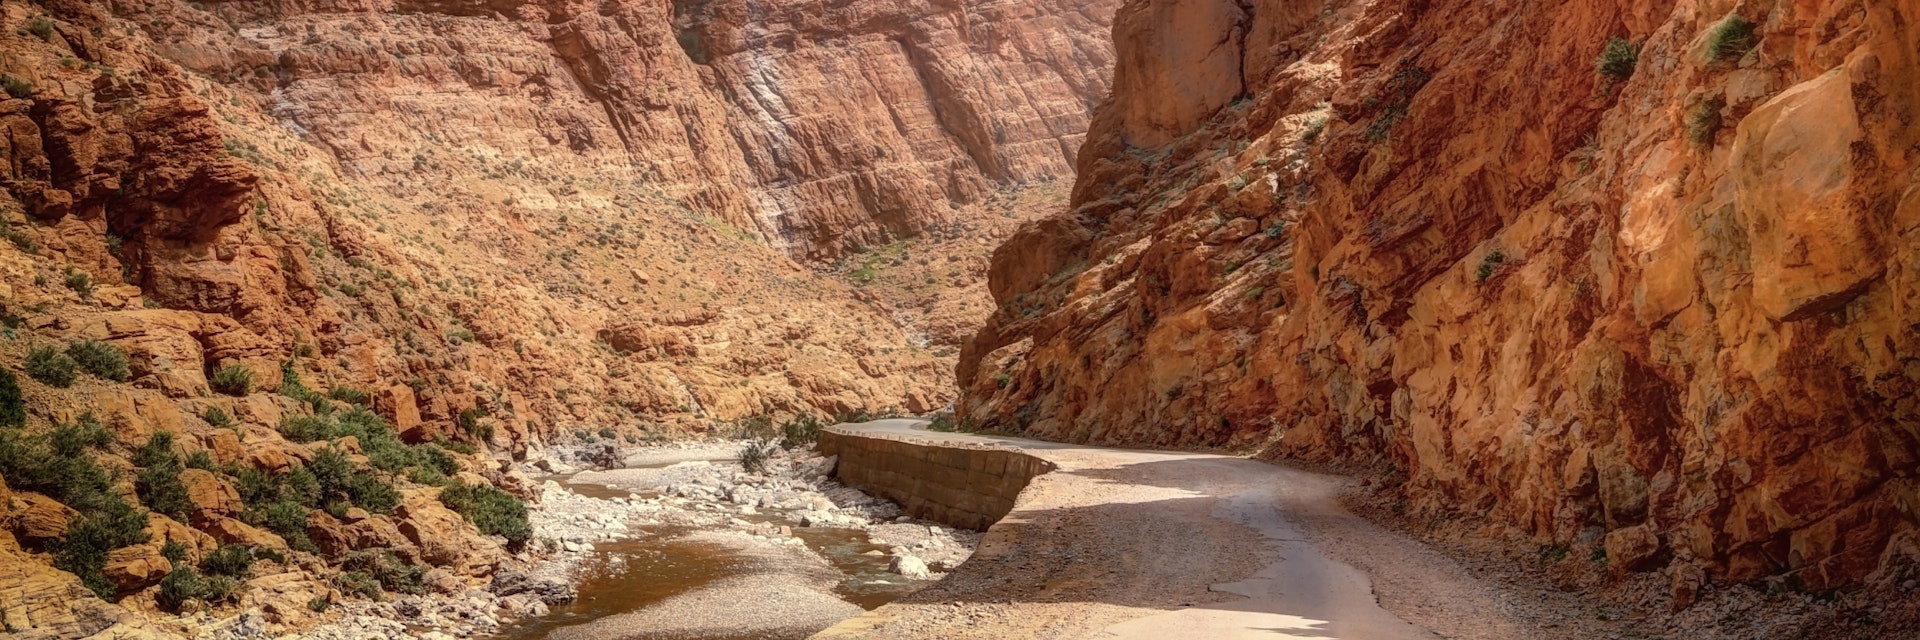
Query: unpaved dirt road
1158, 545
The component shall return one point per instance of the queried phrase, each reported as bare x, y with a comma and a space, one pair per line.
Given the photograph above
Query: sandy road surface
1155, 545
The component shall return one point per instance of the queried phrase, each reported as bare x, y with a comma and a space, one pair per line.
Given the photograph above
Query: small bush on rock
181, 586
350, 395
358, 583
13, 407
234, 380
494, 512
16, 86
217, 417
52, 368
387, 570
100, 359
80, 282
1731, 38
1618, 60
802, 430
158, 483
471, 422
234, 560
754, 456
1703, 124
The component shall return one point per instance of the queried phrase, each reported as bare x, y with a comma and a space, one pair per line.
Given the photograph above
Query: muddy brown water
629, 575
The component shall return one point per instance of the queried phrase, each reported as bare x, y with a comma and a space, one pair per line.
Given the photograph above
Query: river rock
909, 567
548, 589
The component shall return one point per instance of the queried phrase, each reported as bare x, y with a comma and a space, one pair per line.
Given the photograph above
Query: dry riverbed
678, 542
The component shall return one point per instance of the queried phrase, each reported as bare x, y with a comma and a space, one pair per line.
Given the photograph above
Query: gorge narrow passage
1143, 544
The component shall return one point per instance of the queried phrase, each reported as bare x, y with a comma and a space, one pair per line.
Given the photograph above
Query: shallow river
627, 575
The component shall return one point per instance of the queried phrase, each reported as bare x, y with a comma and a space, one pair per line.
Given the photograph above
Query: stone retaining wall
955, 485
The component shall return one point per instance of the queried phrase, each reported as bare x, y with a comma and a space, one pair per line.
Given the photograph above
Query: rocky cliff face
1656, 299
819, 128
498, 225
561, 214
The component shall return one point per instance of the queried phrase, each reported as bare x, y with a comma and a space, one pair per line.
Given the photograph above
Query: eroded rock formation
497, 225
1667, 309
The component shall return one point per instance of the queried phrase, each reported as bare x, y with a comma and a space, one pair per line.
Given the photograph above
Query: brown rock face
213, 499
819, 127
444, 205
36, 519
443, 537
1668, 309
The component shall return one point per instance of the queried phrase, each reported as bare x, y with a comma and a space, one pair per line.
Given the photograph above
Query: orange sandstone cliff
1654, 300
496, 225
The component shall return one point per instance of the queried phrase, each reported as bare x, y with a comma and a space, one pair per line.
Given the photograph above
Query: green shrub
340, 482
234, 380
234, 560
158, 483
161, 490
181, 585
13, 407
41, 27
493, 511
51, 367
1618, 60
1731, 38
280, 503
80, 282
220, 589
16, 87
157, 451
285, 518
350, 395
944, 422
755, 455
1489, 264
471, 422
100, 359
292, 387
1703, 123
173, 552
184, 584
90, 537
455, 446
803, 429
306, 428
202, 460
387, 570
372, 494
358, 583
217, 417
1314, 126
72, 440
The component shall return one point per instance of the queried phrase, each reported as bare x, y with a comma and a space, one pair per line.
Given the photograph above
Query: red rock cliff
564, 214
820, 127
1665, 300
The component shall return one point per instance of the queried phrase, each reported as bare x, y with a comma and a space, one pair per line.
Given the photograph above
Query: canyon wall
1657, 299
558, 215
818, 127
496, 225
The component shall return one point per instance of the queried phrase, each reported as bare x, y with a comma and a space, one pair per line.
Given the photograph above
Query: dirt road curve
1158, 545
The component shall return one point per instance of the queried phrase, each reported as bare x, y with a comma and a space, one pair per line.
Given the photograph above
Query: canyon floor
1148, 544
